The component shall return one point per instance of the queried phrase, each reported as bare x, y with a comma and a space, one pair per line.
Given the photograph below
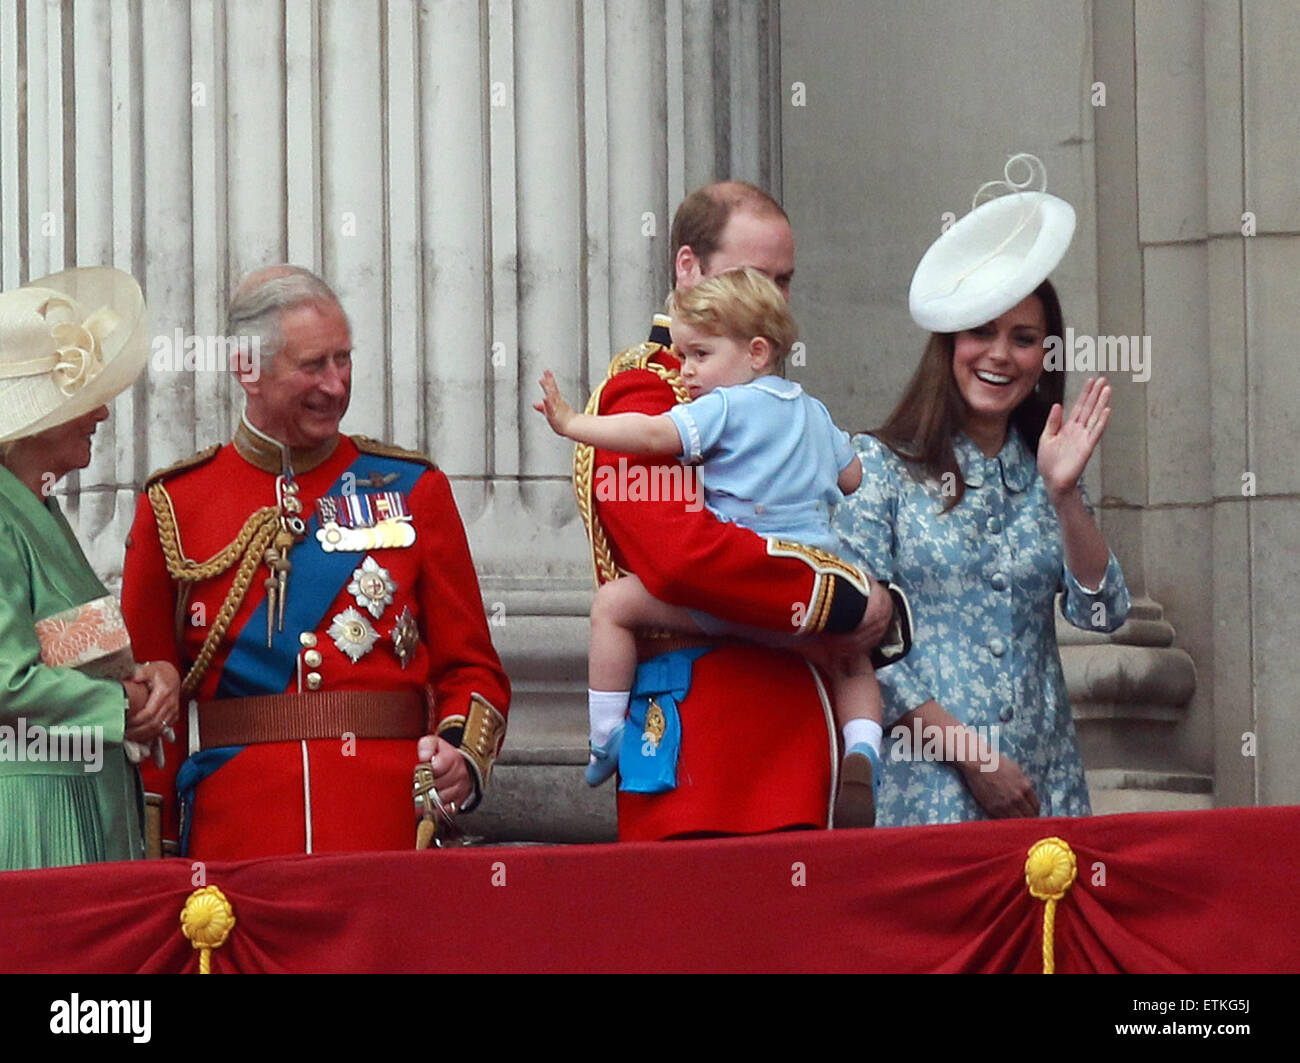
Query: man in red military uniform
758, 743
316, 591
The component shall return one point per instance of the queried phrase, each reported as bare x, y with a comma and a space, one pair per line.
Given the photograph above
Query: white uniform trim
306, 794
832, 733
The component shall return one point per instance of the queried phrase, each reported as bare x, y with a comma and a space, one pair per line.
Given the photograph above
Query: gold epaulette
584, 456
386, 450
192, 462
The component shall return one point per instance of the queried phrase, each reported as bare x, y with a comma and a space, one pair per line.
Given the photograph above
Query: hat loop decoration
1010, 186
1050, 870
997, 255
206, 921
80, 356
1037, 175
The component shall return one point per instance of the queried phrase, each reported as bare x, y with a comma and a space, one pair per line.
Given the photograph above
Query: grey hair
258, 304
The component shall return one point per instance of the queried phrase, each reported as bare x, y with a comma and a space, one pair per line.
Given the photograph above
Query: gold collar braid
246, 551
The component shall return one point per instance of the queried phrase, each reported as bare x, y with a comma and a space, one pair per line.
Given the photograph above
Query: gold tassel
1050, 871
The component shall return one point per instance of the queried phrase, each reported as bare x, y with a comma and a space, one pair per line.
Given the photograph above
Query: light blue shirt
770, 458
982, 580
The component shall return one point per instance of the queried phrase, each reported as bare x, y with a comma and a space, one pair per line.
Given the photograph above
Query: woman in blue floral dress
971, 501
982, 537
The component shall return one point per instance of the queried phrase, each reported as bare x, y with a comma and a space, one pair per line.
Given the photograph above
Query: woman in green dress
75, 709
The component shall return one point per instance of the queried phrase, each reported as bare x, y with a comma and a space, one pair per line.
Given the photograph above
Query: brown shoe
856, 804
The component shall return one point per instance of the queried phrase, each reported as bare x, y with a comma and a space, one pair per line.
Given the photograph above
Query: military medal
372, 587
406, 636
377, 521
353, 634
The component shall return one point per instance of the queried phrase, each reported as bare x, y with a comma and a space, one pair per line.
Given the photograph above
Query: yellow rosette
1050, 870
206, 921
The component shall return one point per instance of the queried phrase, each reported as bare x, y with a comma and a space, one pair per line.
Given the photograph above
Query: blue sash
252, 667
646, 766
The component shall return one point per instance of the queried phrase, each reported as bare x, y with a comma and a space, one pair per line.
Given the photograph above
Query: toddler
772, 460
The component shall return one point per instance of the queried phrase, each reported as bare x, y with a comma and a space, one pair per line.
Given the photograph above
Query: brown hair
699, 221
932, 411
739, 304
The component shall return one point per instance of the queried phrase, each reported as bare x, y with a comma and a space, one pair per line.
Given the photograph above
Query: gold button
313, 680
312, 658
307, 639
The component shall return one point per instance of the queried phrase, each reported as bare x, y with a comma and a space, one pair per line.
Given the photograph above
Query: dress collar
1013, 462
270, 455
778, 386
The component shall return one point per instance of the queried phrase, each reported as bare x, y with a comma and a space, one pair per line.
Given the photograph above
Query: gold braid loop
584, 455
180, 567
247, 550
248, 565
1050, 870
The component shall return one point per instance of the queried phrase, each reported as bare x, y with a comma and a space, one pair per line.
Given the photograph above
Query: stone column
489, 187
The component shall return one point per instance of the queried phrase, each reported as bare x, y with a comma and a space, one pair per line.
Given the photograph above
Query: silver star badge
372, 587
353, 634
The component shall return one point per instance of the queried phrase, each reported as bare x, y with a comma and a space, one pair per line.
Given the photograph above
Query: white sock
605, 711
867, 732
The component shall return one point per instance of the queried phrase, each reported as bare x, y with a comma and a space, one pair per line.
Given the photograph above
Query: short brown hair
699, 221
739, 304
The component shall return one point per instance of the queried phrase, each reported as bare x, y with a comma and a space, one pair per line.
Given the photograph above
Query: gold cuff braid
482, 729
245, 551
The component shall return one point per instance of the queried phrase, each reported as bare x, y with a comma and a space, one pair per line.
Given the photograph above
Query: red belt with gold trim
323, 714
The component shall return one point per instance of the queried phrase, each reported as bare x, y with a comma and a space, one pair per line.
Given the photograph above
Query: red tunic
286, 797
758, 749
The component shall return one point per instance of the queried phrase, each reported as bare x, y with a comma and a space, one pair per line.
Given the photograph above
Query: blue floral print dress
982, 580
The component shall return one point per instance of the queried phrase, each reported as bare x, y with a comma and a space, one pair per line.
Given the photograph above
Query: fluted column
488, 184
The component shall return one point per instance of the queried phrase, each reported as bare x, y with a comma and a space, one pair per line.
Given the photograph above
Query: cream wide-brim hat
69, 343
990, 261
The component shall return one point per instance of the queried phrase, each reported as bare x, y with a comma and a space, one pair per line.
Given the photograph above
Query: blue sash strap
189, 775
644, 765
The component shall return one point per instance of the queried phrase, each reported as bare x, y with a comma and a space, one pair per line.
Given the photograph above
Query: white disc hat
69, 343
995, 256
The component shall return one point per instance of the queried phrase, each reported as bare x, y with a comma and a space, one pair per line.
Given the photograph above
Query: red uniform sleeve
149, 607
686, 557
462, 658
